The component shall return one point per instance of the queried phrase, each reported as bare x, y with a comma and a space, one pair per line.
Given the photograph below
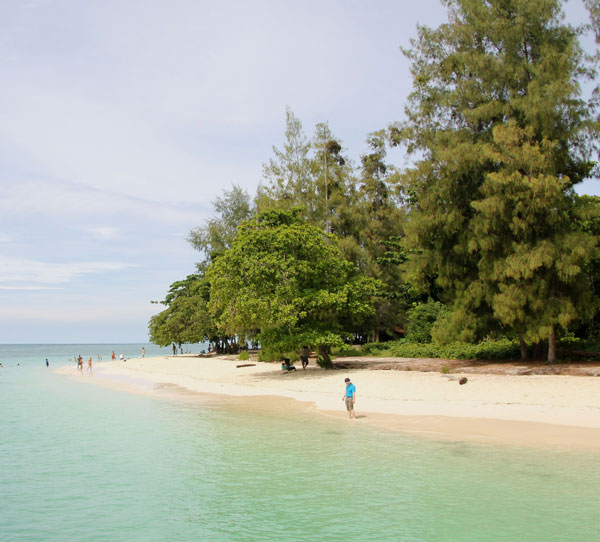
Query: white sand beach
530, 410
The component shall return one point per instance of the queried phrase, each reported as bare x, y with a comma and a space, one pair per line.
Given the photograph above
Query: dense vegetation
481, 238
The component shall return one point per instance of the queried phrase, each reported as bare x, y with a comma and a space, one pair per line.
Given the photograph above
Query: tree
186, 318
318, 183
333, 183
288, 175
502, 136
378, 220
217, 233
287, 282
587, 219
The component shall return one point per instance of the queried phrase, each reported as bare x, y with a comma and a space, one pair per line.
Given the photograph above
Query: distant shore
560, 412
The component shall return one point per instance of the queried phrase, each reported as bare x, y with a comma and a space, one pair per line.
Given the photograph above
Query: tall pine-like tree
502, 135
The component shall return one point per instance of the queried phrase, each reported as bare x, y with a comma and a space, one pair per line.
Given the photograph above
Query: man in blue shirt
350, 397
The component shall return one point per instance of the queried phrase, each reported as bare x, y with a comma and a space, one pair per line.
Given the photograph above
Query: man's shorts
349, 403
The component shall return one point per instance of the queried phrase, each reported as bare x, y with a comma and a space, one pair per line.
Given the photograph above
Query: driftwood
246, 365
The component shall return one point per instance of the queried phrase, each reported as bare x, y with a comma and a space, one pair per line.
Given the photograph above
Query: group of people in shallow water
122, 357
79, 361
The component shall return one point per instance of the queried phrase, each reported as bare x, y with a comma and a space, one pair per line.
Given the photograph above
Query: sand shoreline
560, 412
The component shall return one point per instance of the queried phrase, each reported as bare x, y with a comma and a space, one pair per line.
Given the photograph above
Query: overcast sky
122, 120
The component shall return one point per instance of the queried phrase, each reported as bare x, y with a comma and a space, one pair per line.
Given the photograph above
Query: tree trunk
327, 363
537, 351
523, 344
552, 345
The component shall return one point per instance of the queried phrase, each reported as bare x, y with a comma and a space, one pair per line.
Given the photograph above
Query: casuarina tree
500, 135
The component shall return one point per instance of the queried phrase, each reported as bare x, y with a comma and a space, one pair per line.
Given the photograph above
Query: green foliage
217, 233
288, 175
485, 222
347, 351
375, 349
421, 319
316, 177
293, 356
587, 218
322, 363
502, 136
269, 356
288, 282
186, 318
244, 355
445, 369
499, 349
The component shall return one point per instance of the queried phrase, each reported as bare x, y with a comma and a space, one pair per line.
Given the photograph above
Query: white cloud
28, 288
67, 313
62, 200
104, 233
20, 273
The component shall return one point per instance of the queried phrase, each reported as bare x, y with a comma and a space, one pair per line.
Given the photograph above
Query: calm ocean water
84, 462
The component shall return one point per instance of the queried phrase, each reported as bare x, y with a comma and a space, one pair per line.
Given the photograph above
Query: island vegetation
479, 248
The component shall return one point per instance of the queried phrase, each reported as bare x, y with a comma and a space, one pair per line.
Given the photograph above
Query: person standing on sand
350, 397
304, 356
47, 363
113, 355
90, 365
174, 349
80, 363
143, 351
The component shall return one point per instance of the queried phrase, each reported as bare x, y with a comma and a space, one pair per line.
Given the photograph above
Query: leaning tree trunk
327, 363
552, 345
523, 344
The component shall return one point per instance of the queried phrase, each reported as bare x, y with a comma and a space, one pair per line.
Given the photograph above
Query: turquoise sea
86, 463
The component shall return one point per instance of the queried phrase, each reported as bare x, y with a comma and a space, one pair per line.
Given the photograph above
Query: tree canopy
288, 283
503, 133
481, 235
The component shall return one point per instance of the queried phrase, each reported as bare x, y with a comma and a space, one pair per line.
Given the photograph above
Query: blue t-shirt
350, 390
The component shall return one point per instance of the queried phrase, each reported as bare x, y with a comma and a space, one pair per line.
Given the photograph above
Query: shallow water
83, 462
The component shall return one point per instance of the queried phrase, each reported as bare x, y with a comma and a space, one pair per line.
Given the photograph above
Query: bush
292, 356
348, 351
375, 349
269, 355
570, 344
489, 349
421, 319
274, 355
244, 355
500, 349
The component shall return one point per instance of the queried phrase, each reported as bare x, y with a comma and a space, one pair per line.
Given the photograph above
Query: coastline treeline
481, 237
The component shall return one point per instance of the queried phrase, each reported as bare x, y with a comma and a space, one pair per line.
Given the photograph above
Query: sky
122, 120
